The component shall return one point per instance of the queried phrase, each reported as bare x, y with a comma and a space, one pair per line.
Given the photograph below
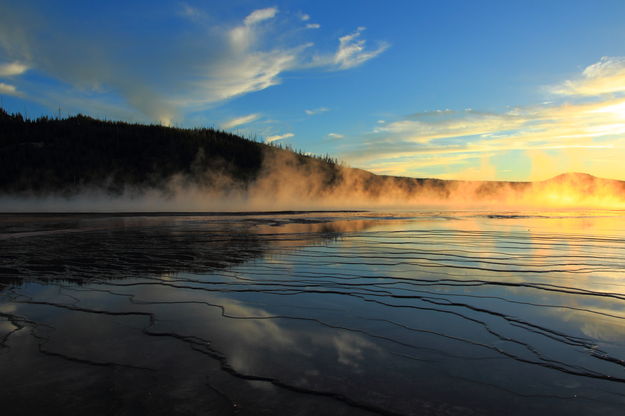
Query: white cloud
604, 77
606, 67
238, 121
313, 26
304, 17
335, 135
352, 50
316, 111
260, 15
245, 73
12, 68
451, 124
244, 36
8, 89
278, 137
190, 12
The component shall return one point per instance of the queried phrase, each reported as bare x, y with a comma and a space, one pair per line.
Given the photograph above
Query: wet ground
441, 313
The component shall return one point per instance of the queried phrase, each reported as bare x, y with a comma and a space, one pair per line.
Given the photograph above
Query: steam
288, 181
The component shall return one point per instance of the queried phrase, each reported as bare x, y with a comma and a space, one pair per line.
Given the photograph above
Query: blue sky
449, 89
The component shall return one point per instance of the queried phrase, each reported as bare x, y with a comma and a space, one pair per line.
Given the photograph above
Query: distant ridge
584, 181
573, 176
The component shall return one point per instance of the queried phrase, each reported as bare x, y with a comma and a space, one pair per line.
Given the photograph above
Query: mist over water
452, 312
286, 182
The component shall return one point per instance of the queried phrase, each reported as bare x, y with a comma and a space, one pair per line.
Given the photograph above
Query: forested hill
65, 156
204, 169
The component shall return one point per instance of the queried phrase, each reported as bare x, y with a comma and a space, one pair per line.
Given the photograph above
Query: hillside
164, 168
66, 156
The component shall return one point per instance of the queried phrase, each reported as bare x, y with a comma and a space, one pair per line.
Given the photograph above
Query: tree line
66, 155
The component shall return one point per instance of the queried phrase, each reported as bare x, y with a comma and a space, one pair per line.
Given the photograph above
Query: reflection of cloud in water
601, 328
601, 319
350, 349
253, 337
258, 328
5, 326
8, 308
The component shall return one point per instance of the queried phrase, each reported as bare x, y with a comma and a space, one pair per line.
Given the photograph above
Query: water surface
436, 313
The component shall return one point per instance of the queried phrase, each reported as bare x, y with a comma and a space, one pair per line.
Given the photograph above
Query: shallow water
451, 313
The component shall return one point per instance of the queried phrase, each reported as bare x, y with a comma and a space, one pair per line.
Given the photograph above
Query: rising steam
288, 182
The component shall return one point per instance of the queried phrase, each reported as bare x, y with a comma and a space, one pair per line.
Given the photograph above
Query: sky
490, 90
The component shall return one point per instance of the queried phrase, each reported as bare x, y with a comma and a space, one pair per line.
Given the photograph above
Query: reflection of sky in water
403, 313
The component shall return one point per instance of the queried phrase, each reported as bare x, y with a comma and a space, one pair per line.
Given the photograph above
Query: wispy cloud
278, 137
8, 89
239, 121
12, 68
401, 165
260, 15
548, 127
190, 12
604, 77
335, 135
165, 74
352, 50
314, 111
305, 18
241, 74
